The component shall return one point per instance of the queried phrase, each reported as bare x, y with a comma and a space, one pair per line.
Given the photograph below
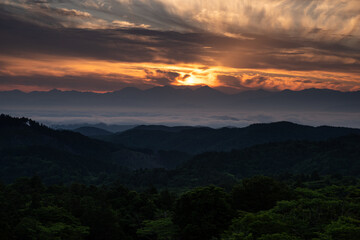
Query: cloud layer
242, 45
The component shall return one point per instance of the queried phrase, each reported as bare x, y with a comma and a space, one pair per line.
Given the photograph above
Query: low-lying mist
215, 118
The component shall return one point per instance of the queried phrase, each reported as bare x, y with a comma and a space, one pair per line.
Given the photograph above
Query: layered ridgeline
203, 97
28, 148
196, 140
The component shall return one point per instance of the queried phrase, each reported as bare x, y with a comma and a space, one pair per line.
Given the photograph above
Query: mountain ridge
195, 140
28, 148
203, 97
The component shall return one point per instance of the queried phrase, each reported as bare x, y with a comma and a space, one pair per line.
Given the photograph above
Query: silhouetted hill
336, 156
92, 131
28, 148
202, 139
203, 97
162, 128
107, 127
25, 132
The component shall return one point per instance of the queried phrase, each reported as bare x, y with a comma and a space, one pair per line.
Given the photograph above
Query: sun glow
190, 81
137, 74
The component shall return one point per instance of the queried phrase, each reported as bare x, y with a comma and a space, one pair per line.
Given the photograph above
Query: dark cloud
130, 45
81, 83
163, 77
20, 37
305, 81
231, 81
226, 118
258, 80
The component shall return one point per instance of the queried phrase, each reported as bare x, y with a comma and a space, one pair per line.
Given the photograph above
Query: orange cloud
109, 74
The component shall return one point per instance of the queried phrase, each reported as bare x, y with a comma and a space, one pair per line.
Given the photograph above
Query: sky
232, 45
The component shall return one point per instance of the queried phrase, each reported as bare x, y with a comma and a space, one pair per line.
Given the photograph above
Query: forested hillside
80, 188
203, 139
28, 148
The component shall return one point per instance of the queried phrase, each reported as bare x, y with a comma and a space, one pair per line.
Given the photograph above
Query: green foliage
344, 228
160, 229
259, 193
31, 210
51, 223
203, 213
278, 236
255, 225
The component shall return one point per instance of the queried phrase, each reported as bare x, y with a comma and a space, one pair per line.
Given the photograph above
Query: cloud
328, 20
295, 37
97, 83
125, 24
258, 80
126, 45
70, 12
134, 42
164, 78
187, 118
231, 81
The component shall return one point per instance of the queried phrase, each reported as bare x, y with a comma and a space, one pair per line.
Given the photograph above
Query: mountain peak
161, 89
15, 91
205, 87
55, 90
281, 124
128, 90
207, 90
318, 90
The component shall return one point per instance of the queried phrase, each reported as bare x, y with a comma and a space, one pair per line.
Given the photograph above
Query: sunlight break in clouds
102, 76
242, 45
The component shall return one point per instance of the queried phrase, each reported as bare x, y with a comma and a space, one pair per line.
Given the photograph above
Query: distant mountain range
203, 97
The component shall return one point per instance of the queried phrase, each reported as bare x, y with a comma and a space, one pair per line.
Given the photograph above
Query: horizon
193, 88
171, 106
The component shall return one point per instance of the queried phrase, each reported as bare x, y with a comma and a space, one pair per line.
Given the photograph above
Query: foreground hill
202, 139
336, 156
28, 148
340, 156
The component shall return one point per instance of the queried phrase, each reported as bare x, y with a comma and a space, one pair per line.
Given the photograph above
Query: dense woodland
64, 185
255, 208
